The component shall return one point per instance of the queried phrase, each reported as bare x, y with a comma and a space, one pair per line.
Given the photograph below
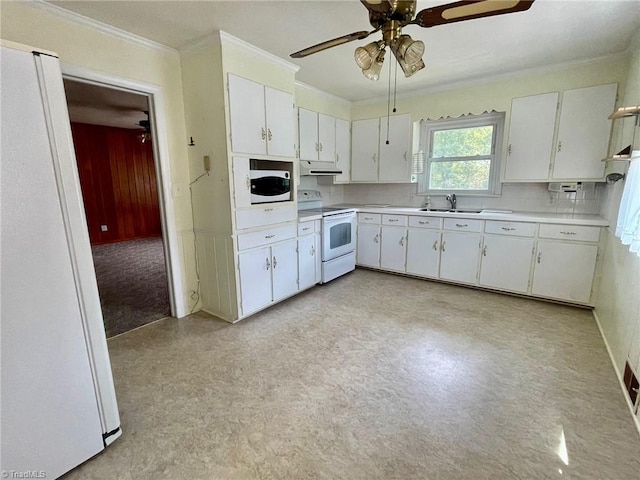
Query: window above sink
462, 155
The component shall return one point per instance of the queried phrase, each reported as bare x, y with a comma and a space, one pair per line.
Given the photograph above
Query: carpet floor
132, 282
372, 376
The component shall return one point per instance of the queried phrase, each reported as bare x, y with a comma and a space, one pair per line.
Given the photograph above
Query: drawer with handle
265, 237
463, 224
581, 233
395, 220
369, 218
305, 228
265, 215
425, 222
520, 229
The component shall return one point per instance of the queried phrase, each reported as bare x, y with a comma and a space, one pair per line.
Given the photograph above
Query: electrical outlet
103, 228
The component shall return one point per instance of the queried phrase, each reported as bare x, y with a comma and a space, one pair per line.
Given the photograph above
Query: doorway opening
114, 149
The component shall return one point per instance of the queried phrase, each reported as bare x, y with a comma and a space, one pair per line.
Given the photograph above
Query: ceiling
552, 32
104, 106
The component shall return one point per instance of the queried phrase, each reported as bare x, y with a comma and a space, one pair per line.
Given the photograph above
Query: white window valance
628, 225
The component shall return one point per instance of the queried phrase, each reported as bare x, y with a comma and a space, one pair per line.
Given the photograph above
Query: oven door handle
339, 216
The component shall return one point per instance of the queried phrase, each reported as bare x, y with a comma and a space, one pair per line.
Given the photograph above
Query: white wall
82, 46
618, 301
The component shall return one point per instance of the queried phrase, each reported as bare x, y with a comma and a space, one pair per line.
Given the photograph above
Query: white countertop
534, 217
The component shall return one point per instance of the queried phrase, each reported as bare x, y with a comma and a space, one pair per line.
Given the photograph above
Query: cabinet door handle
484, 251
337, 157
539, 256
268, 264
405, 156
275, 262
560, 146
269, 134
320, 146
393, 220
269, 236
368, 218
268, 209
317, 147
313, 250
374, 157
442, 245
462, 225
435, 245
304, 229
509, 149
508, 229
569, 233
248, 183
375, 239
422, 222
264, 133
402, 241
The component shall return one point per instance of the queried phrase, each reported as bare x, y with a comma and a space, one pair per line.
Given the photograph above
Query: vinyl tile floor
372, 376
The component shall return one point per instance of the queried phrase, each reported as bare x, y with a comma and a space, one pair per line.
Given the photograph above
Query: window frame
428, 127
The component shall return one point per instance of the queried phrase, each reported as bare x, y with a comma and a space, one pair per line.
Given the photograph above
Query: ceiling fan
390, 16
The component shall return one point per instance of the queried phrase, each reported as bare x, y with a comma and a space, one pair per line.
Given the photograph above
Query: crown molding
228, 39
322, 93
472, 82
98, 26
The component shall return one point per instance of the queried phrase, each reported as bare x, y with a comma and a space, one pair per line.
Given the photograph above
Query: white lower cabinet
267, 274
564, 270
459, 257
393, 248
423, 252
506, 263
308, 259
368, 251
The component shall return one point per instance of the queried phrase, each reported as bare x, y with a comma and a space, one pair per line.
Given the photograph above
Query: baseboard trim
635, 418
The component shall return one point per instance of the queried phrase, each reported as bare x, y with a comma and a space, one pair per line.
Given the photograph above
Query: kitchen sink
449, 210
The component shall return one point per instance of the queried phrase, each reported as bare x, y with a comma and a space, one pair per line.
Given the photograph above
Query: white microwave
270, 186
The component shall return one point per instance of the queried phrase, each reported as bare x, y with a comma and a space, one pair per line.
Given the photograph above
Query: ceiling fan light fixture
373, 72
365, 56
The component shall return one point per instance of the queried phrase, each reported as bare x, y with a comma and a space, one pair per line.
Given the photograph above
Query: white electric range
338, 234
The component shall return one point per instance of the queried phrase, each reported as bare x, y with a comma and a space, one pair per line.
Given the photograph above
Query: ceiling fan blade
378, 6
331, 43
468, 10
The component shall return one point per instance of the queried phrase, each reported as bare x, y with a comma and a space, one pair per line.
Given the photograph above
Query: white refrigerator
57, 400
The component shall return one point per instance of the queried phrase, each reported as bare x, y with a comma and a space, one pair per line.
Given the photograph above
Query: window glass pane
463, 142
460, 175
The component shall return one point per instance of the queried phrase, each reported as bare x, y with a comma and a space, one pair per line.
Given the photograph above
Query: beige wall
618, 302
84, 47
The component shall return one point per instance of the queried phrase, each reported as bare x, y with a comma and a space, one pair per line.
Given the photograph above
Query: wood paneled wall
117, 177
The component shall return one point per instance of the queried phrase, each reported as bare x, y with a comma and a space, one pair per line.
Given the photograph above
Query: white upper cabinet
247, 116
262, 119
308, 134
281, 123
364, 150
395, 161
581, 135
583, 132
343, 150
317, 134
326, 138
531, 137
372, 160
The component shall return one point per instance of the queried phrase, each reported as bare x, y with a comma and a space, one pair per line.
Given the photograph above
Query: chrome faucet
452, 199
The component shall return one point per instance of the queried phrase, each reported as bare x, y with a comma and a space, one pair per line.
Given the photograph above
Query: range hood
318, 168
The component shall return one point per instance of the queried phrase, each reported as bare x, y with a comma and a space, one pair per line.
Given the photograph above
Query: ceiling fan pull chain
395, 86
388, 104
